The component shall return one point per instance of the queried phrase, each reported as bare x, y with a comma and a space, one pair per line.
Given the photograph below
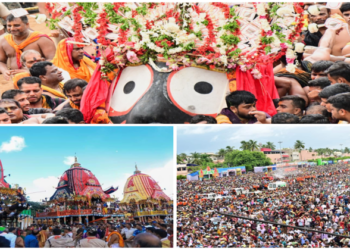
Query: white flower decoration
313, 28
284, 11
291, 68
314, 10
299, 47
40, 18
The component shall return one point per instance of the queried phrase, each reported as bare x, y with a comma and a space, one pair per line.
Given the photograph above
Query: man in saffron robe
70, 57
20, 39
43, 235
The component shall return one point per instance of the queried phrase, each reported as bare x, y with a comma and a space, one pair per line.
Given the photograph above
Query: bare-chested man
344, 46
20, 39
290, 86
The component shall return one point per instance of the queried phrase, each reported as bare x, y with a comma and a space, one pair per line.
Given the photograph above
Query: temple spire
75, 164
137, 171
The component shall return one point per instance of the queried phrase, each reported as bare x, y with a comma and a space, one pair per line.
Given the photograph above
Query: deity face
140, 94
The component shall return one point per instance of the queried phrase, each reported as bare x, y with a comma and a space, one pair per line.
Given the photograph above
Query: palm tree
229, 149
205, 158
299, 145
270, 145
182, 157
346, 150
196, 158
221, 152
244, 145
253, 145
179, 159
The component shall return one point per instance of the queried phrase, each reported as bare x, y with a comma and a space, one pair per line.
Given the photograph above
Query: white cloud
215, 138
164, 176
246, 133
16, 143
42, 188
69, 160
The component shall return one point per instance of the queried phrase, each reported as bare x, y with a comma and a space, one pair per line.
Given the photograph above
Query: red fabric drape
264, 89
95, 93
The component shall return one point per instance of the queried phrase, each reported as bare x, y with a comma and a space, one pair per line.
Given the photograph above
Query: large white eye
198, 91
133, 83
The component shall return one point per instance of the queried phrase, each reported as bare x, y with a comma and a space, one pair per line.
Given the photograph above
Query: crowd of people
315, 198
117, 234
48, 80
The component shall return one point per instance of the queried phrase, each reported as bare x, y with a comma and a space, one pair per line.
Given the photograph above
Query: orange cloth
223, 119
18, 77
42, 237
121, 241
232, 81
73, 105
33, 37
45, 105
54, 92
62, 61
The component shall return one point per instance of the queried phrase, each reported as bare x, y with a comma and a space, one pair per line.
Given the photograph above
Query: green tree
310, 149
181, 177
179, 159
36, 206
204, 158
221, 152
245, 145
299, 145
195, 158
270, 145
229, 149
247, 158
346, 150
253, 145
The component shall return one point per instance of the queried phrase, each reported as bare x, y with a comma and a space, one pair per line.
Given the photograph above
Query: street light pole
280, 151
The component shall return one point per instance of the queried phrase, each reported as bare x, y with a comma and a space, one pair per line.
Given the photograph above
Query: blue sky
209, 139
36, 156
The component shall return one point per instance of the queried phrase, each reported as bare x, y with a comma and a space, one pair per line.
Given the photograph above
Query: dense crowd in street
315, 198
114, 234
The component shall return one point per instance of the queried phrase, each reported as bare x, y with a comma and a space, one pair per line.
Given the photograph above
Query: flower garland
78, 26
206, 35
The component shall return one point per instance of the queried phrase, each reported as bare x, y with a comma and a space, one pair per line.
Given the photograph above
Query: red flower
77, 27
102, 29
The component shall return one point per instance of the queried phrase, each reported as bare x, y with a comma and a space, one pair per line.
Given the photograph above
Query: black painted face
144, 95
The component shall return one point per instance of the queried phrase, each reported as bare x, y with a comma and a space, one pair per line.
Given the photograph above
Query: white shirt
128, 232
12, 238
65, 75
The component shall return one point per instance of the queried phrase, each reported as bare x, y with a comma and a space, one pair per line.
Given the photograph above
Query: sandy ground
6, 85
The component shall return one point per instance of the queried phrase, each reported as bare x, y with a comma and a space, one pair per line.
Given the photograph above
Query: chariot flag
201, 174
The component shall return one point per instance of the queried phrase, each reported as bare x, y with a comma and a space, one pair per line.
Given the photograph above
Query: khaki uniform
92, 243
59, 242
